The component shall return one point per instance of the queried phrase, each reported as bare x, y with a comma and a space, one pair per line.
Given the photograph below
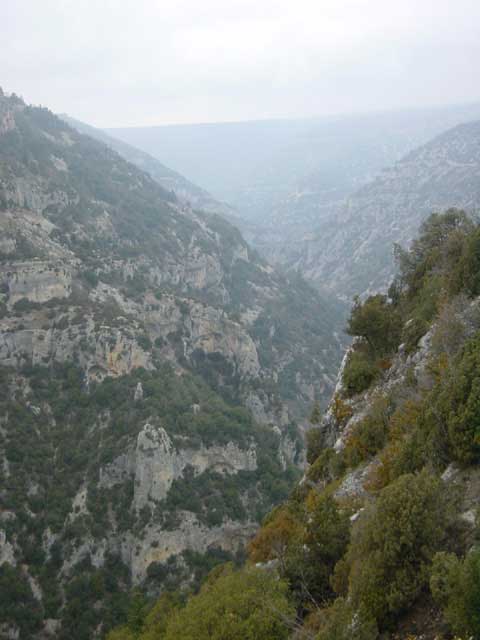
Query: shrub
273, 540
342, 622
393, 544
376, 321
251, 604
358, 374
341, 410
455, 586
327, 467
368, 436
315, 444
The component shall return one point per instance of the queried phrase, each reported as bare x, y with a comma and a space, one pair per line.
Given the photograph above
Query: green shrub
342, 622
315, 444
251, 604
328, 466
393, 544
455, 586
369, 435
377, 322
359, 373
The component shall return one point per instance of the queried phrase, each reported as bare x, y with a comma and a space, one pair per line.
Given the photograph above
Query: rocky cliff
348, 246
153, 371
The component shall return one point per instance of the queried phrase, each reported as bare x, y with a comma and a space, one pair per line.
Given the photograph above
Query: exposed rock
7, 553
138, 395
158, 462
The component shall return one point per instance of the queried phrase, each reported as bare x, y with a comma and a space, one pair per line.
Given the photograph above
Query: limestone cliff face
187, 277
155, 463
154, 372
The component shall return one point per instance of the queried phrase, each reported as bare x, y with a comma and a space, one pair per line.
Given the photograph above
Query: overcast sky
139, 62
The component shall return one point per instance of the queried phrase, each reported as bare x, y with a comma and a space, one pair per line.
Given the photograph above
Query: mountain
379, 539
154, 371
170, 180
275, 168
350, 251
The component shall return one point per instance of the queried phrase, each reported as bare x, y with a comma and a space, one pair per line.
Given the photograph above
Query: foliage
455, 585
342, 622
276, 536
327, 467
368, 436
307, 541
358, 373
393, 544
341, 410
314, 438
251, 604
376, 321
18, 606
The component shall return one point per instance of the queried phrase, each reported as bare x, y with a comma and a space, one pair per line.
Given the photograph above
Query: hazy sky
136, 62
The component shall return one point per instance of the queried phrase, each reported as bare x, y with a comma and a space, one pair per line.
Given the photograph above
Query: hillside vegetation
379, 538
155, 373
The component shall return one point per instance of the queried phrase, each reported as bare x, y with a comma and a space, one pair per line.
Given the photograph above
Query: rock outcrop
154, 372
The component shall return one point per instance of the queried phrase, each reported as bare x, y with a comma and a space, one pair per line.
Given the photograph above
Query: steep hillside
350, 252
153, 369
170, 180
380, 538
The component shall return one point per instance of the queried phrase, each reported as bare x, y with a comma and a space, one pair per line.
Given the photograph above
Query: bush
315, 444
376, 321
358, 374
327, 467
393, 544
251, 604
455, 586
368, 436
342, 622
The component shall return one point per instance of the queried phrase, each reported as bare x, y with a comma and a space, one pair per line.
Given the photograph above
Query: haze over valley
239, 320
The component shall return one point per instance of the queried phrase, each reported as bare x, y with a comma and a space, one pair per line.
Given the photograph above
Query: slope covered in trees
380, 537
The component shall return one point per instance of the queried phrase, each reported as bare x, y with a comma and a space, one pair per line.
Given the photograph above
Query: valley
173, 397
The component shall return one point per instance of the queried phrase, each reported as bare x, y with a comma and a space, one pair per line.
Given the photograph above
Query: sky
152, 62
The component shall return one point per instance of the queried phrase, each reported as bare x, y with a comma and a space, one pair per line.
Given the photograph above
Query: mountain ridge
154, 374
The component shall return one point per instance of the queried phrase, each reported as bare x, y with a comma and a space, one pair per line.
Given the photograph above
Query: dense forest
398, 556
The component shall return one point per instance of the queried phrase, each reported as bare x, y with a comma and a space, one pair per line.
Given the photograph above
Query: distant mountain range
350, 249
269, 170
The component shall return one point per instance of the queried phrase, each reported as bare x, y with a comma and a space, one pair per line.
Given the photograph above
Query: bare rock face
159, 545
38, 282
156, 463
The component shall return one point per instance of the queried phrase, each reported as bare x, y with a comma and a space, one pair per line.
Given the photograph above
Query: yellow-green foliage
403, 452
342, 621
327, 467
274, 539
251, 604
376, 321
307, 540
